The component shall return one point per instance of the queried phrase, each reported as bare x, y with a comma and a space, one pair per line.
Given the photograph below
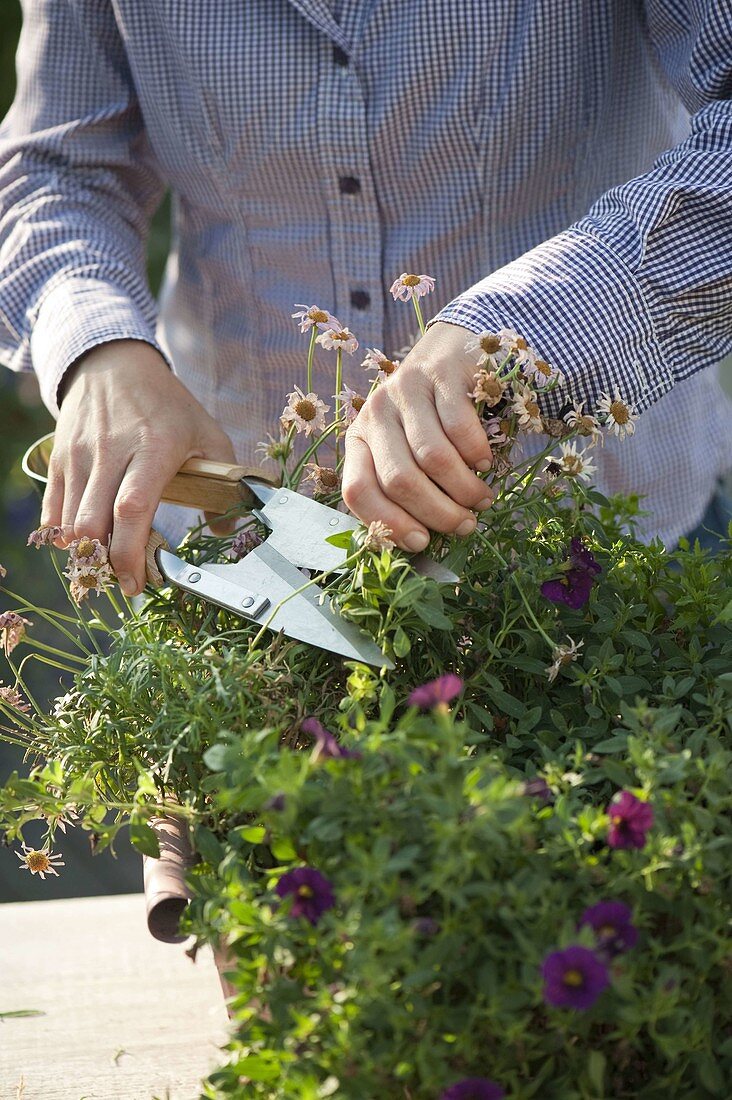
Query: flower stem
311, 353
339, 387
418, 311
530, 611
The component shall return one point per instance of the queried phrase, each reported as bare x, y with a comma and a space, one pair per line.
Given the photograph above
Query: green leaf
507, 703
208, 845
342, 540
143, 838
283, 849
255, 834
596, 1071
402, 644
215, 757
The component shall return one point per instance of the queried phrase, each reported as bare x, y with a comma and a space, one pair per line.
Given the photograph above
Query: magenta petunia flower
611, 923
326, 746
442, 690
473, 1088
539, 789
630, 820
311, 891
575, 584
574, 978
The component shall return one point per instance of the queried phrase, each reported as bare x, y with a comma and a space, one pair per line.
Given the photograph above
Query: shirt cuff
74, 316
583, 311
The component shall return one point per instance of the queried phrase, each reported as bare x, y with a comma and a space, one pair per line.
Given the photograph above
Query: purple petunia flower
574, 586
326, 746
611, 922
473, 1088
312, 893
427, 927
574, 978
630, 820
538, 788
442, 690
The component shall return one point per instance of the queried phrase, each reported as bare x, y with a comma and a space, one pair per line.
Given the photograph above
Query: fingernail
128, 584
485, 503
416, 540
465, 528
484, 465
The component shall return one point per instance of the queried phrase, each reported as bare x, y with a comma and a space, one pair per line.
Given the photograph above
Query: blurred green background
22, 420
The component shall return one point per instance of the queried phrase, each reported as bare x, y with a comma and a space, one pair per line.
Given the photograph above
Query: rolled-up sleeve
637, 295
78, 185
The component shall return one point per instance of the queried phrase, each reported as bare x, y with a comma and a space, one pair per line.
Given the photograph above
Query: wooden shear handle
213, 486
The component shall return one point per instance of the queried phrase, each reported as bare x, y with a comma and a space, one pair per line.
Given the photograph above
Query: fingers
53, 497
134, 507
363, 495
436, 454
461, 423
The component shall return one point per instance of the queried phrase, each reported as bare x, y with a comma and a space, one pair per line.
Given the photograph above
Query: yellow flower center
572, 465
573, 978
358, 402
532, 409
411, 280
490, 343
305, 891
88, 580
305, 409
620, 412
607, 931
586, 425
37, 861
521, 343
387, 366
543, 367
328, 477
342, 336
85, 549
317, 316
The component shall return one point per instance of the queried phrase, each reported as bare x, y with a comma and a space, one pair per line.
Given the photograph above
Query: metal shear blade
265, 588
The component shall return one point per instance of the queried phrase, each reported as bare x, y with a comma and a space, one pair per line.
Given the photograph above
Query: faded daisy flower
525, 407
12, 698
82, 582
408, 286
494, 430
86, 552
378, 537
376, 360
276, 449
314, 317
324, 478
555, 429
244, 542
540, 373
40, 861
514, 344
338, 339
489, 388
488, 346
562, 655
585, 424
3, 572
305, 410
576, 465
44, 536
352, 402
619, 417
12, 630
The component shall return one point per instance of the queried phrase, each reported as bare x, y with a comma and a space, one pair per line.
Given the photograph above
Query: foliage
390, 880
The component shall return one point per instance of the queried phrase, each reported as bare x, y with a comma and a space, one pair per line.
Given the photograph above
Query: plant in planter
502, 867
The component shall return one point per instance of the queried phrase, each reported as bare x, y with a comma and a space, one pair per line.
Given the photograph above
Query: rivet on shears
193, 577
333, 522
247, 602
283, 500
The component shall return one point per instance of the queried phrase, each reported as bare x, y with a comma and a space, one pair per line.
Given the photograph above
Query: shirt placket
350, 194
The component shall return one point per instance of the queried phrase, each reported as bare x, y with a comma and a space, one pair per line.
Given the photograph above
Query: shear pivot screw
247, 602
193, 577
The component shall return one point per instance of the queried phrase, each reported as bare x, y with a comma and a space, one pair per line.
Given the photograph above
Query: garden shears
266, 585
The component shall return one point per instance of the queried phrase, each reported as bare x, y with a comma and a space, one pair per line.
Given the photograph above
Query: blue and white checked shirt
562, 167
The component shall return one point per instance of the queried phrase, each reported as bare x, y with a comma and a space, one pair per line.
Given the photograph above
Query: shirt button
360, 299
340, 56
349, 185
